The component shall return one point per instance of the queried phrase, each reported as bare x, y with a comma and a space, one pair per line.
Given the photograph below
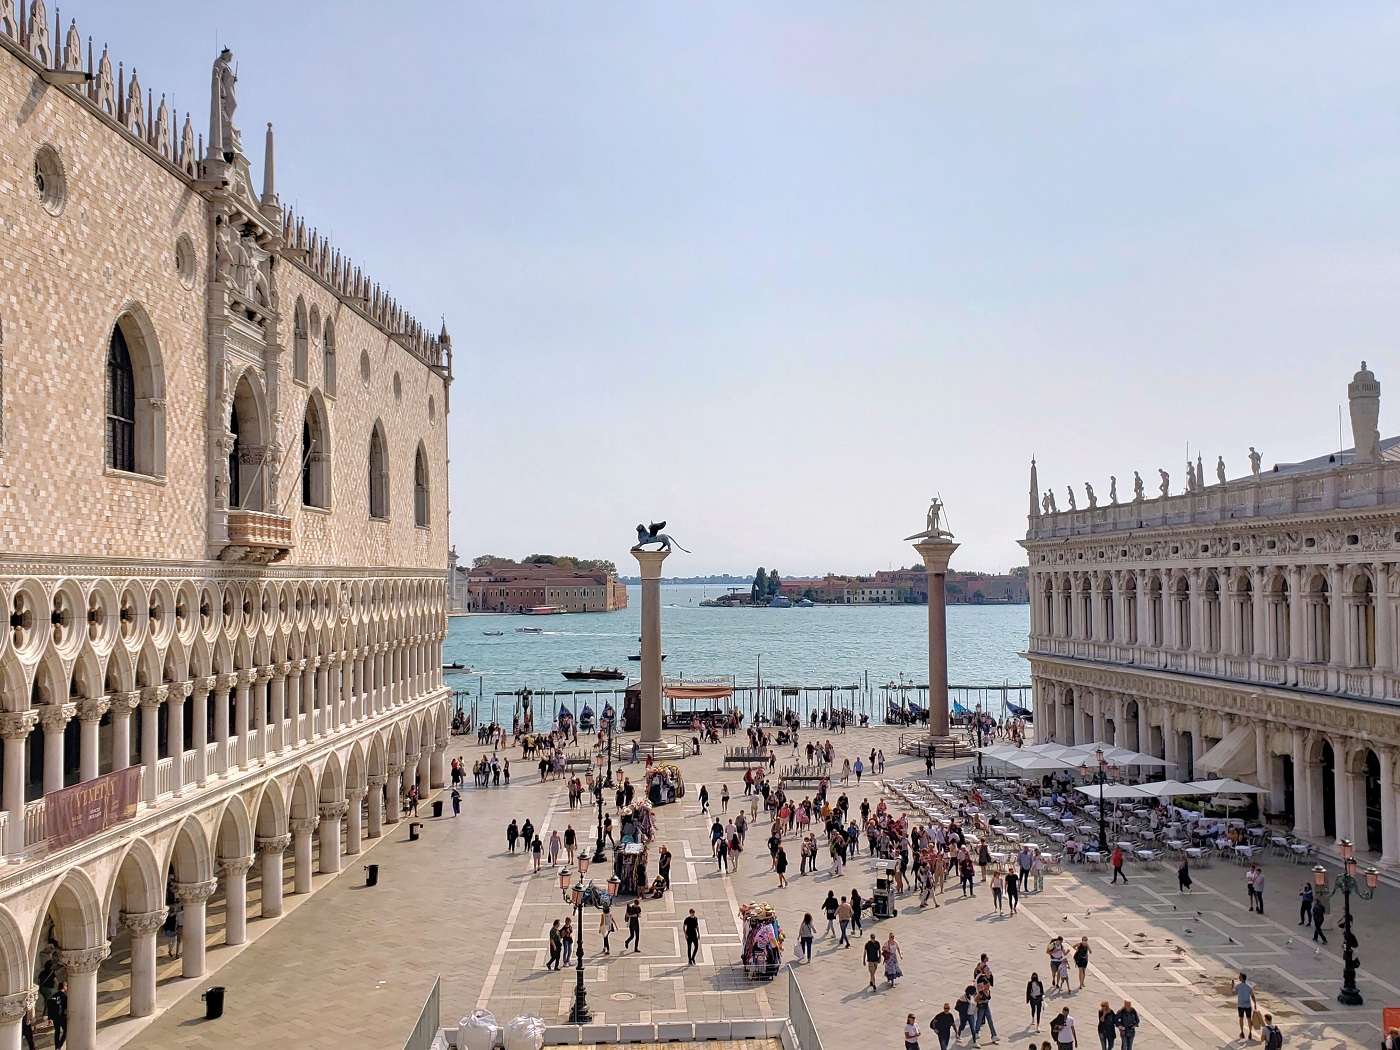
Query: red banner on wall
74, 813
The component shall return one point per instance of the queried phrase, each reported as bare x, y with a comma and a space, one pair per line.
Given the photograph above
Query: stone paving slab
350, 966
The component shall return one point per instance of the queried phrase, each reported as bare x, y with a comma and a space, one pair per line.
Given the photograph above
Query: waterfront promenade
351, 965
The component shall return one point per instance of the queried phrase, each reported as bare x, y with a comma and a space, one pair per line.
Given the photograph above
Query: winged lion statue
653, 534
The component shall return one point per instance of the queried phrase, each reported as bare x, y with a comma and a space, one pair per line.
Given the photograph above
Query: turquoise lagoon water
838, 645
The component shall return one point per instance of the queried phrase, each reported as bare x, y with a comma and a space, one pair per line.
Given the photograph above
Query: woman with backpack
1035, 998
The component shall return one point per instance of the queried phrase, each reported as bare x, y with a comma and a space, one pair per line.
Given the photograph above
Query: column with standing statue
649, 561
935, 546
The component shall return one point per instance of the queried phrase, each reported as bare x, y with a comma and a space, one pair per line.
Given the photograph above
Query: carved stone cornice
143, 922
195, 892
233, 867
83, 960
14, 1007
273, 843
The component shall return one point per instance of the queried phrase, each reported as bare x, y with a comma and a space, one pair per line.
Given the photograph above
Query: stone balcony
256, 536
1357, 683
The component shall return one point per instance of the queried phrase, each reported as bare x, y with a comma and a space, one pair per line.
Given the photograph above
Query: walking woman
1183, 875
607, 926
1108, 1026
1013, 890
911, 1031
1081, 958
1035, 998
997, 883
806, 933
892, 954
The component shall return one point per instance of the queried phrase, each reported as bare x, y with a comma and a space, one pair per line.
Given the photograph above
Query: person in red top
1118, 864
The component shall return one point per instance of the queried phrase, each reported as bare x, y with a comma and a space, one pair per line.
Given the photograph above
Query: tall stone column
332, 813
90, 712
354, 820
12, 1011
175, 731
122, 706
302, 829
1389, 828
80, 966
650, 565
292, 731
935, 552
271, 849
1384, 656
151, 701
262, 714
195, 897
221, 705
199, 727
394, 793
347, 690
425, 770
439, 764
234, 871
15, 727
320, 723
54, 718
376, 806
143, 926
241, 721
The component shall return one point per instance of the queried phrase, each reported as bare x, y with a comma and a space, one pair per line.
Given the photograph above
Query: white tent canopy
1116, 792
1233, 756
1230, 787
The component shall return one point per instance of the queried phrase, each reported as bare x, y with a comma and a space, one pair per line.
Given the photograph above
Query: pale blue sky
777, 272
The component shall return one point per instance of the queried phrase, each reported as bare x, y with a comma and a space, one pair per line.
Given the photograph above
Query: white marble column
54, 718
90, 712
394, 791
293, 725
321, 721
15, 727
225, 685
1261, 614
1307, 791
199, 727
376, 806
332, 813
175, 733
151, 700
354, 820
1297, 618
234, 871
195, 898
241, 721
1390, 830
80, 969
271, 849
1169, 741
347, 690
1385, 648
438, 769
143, 926
302, 829
123, 704
13, 1009
649, 568
262, 714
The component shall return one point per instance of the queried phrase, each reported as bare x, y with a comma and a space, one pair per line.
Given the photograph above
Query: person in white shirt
1067, 1036
911, 1034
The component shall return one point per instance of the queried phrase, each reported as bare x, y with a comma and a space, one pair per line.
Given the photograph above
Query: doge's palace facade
1247, 628
223, 521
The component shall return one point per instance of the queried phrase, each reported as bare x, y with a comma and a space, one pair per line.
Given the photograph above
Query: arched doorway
1372, 773
1328, 769
247, 482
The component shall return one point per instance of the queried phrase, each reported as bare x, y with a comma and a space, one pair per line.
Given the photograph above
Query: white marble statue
1138, 495
1220, 469
1254, 459
1113, 490
1166, 483
1050, 495
223, 136
1070, 490
1045, 503
1190, 477
1089, 496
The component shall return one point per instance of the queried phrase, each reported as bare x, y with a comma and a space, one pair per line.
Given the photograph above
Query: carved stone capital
14, 1007
154, 695
92, 708
303, 825
334, 811
232, 867
16, 725
440, 748
396, 770
195, 892
125, 703
377, 782
227, 682
295, 667
83, 960
180, 690
247, 676
354, 793
139, 922
264, 676
204, 686
273, 843
54, 717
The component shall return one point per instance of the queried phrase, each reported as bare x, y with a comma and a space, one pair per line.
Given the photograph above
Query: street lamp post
1101, 775
595, 786
1346, 883
579, 1013
609, 717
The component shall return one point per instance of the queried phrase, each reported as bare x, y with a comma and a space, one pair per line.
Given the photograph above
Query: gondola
1019, 711
585, 719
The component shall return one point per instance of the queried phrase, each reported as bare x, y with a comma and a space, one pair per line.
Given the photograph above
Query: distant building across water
514, 588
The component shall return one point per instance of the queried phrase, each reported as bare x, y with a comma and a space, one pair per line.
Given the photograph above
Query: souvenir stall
638, 822
763, 941
665, 784
630, 867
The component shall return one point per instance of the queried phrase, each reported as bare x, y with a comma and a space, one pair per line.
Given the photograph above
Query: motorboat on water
543, 610
456, 665
595, 674
529, 630
639, 656
493, 634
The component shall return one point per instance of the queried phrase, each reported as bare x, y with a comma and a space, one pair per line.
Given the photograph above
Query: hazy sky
778, 272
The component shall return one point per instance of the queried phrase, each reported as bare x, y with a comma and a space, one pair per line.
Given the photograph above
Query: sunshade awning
1115, 792
1231, 757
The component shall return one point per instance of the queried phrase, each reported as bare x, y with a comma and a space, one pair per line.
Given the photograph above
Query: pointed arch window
421, 492
328, 360
378, 474
121, 405
300, 336
315, 458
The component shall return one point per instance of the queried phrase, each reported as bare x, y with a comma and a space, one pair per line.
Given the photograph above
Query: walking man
1319, 916
872, 958
1244, 1005
692, 937
634, 926
843, 916
1259, 889
1118, 865
556, 946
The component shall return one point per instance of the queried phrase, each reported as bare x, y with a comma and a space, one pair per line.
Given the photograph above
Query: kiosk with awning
688, 699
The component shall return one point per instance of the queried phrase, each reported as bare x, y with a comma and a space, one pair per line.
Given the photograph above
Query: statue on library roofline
654, 534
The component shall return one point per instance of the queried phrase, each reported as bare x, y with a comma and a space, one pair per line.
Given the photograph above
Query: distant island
720, 581
904, 586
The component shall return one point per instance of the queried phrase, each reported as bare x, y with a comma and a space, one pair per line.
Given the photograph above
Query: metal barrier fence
426, 1028
800, 1017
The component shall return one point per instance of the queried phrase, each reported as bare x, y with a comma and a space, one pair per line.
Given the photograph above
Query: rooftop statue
1089, 495
1254, 459
1137, 487
1190, 477
224, 140
1070, 489
646, 536
1113, 490
1166, 483
1220, 469
1050, 495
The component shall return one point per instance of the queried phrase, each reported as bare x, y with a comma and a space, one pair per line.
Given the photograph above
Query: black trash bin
437, 807
414, 829
213, 1003
371, 874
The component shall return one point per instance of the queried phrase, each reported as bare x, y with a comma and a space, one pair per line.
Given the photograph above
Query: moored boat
595, 674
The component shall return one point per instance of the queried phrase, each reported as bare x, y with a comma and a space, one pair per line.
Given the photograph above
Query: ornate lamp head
583, 863
1347, 850
1319, 875
564, 878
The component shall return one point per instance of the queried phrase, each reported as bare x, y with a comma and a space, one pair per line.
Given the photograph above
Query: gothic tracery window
420, 488
121, 405
378, 474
